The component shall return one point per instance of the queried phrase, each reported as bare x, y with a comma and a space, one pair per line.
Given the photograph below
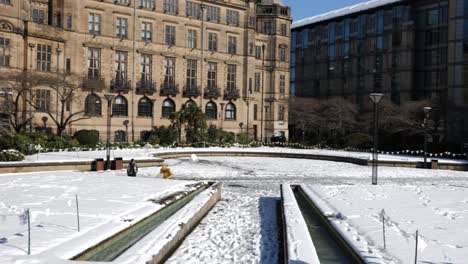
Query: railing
146, 87
91, 83
274, 10
120, 85
212, 92
191, 91
167, 89
231, 94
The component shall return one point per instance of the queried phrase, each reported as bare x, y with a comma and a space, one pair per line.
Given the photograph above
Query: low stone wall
83, 165
357, 161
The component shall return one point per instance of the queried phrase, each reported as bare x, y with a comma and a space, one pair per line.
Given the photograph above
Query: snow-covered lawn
107, 200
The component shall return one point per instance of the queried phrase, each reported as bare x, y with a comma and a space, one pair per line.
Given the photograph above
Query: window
192, 9
191, 81
257, 82
93, 105
282, 85
432, 17
121, 24
94, 64
58, 20
147, 4
255, 110
232, 17
190, 103
232, 45
252, 21
44, 57
191, 39
284, 30
231, 77
212, 75
170, 35
122, 2
43, 100
230, 113
213, 13
146, 31
146, 63
145, 107
268, 27
120, 136
120, 106
211, 110
39, 16
212, 41
169, 72
68, 65
94, 24
69, 21
120, 66
258, 52
7, 2
168, 108
282, 53
4, 58
171, 6
281, 113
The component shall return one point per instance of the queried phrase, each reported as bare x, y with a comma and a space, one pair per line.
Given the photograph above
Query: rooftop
343, 12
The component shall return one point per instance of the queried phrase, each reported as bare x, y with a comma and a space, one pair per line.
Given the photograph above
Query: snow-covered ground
107, 200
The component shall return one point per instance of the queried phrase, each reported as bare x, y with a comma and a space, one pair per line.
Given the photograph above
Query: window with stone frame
284, 30
39, 16
120, 136
145, 107
192, 9
211, 110
171, 6
191, 39
93, 105
122, 2
231, 77
42, 100
94, 24
7, 2
121, 28
170, 35
168, 108
257, 82
258, 52
44, 57
169, 72
4, 52
255, 110
212, 41
213, 14
120, 106
69, 20
147, 4
120, 66
232, 17
282, 86
232, 45
268, 27
281, 113
94, 64
146, 31
230, 112
282, 50
191, 82
146, 74
212, 75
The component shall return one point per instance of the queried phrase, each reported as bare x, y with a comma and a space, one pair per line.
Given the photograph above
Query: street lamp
375, 97
427, 111
58, 50
109, 98
263, 84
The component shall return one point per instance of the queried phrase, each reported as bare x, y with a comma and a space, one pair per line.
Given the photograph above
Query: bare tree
69, 108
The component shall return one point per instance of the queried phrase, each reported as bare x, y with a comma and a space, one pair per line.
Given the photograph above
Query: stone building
408, 50
230, 58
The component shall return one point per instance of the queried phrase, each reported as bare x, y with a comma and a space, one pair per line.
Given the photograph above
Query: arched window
211, 110
230, 113
120, 136
120, 106
168, 107
189, 103
145, 107
93, 105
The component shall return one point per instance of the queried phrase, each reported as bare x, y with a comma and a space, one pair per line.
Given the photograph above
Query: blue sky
306, 8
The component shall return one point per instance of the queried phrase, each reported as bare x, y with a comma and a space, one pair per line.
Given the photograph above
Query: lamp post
109, 98
263, 84
31, 47
125, 123
427, 111
202, 38
58, 50
375, 97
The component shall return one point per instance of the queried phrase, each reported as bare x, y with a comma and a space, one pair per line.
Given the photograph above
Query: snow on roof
343, 12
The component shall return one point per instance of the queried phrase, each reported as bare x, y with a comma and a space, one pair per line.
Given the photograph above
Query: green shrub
88, 138
11, 155
359, 140
243, 139
63, 142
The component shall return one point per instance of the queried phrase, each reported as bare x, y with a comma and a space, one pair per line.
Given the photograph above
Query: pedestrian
132, 168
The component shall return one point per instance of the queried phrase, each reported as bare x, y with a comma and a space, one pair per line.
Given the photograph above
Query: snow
300, 246
107, 201
343, 12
